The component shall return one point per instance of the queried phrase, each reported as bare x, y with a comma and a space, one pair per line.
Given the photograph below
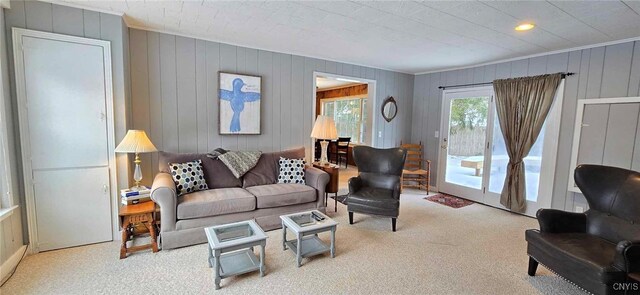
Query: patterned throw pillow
291, 171
188, 177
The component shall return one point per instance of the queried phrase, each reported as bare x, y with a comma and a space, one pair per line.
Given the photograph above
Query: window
350, 116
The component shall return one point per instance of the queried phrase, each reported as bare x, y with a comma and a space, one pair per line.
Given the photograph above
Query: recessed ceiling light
525, 27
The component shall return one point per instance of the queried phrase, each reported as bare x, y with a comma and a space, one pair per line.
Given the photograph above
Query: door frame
18, 33
577, 131
371, 96
444, 133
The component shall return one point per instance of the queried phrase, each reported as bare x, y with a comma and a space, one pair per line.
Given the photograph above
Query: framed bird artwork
239, 103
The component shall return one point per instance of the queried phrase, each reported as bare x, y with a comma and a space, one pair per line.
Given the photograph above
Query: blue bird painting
237, 99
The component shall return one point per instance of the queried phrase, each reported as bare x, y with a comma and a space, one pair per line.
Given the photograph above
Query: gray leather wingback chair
598, 250
376, 190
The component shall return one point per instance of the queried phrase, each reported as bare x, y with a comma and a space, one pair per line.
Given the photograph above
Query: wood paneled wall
609, 71
47, 17
174, 84
360, 89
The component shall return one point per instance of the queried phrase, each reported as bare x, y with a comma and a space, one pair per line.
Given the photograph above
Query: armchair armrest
318, 179
355, 184
163, 193
557, 221
396, 190
628, 256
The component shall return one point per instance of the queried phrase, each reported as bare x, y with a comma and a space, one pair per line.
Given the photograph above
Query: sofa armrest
355, 184
557, 221
163, 193
628, 256
318, 179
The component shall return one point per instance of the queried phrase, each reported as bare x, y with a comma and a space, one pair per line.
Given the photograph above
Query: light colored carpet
436, 250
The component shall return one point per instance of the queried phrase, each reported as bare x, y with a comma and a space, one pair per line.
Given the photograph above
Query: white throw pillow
188, 177
291, 171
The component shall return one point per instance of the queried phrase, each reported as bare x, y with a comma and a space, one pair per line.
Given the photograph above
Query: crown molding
533, 55
83, 7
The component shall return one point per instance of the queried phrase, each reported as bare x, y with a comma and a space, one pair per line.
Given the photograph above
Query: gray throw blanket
239, 162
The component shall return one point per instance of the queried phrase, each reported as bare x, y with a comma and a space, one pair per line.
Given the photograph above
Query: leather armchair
376, 190
598, 250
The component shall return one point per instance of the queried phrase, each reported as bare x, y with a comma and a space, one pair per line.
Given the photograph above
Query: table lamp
325, 130
136, 141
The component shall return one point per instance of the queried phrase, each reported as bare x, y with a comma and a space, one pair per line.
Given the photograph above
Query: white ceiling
406, 36
323, 83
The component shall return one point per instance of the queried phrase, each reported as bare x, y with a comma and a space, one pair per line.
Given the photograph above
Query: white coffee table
231, 249
306, 230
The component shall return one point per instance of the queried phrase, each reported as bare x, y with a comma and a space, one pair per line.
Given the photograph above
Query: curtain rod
488, 83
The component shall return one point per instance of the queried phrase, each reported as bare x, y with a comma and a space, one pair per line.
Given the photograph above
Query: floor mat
449, 200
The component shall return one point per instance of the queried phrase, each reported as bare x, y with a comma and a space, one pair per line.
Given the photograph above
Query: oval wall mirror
389, 109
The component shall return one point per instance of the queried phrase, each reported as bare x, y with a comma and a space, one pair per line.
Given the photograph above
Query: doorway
350, 101
67, 137
473, 159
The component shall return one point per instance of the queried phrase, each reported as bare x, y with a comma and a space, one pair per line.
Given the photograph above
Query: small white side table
229, 238
306, 229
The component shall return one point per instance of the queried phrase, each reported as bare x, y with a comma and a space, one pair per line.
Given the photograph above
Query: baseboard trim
9, 266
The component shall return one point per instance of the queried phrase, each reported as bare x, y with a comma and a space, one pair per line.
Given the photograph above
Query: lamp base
323, 152
137, 175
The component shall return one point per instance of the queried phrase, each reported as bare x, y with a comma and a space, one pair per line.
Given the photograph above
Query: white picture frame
239, 100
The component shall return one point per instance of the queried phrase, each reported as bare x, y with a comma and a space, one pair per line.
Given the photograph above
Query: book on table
135, 200
129, 193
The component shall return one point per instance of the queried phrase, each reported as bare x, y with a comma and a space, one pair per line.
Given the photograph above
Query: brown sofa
256, 195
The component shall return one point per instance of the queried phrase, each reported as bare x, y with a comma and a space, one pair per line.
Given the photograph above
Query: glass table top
303, 220
232, 234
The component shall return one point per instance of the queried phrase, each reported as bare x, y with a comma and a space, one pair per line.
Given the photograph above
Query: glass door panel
466, 143
463, 146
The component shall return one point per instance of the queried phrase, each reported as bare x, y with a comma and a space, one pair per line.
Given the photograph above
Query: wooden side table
332, 186
133, 215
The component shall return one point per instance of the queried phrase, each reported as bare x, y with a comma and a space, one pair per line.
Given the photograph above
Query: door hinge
484, 190
487, 145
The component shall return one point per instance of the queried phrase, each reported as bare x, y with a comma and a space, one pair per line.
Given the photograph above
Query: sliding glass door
473, 156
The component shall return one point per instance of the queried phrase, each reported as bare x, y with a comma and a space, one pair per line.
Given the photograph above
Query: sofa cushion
579, 253
215, 202
267, 169
216, 173
277, 195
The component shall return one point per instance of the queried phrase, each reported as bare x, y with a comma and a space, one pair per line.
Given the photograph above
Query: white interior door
66, 126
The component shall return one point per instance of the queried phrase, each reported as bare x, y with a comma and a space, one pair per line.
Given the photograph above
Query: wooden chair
415, 174
342, 150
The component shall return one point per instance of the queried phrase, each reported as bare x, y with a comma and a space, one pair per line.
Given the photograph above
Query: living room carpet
436, 250
449, 200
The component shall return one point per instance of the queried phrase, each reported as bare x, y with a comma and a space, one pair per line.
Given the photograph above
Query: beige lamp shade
136, 141
324, 128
